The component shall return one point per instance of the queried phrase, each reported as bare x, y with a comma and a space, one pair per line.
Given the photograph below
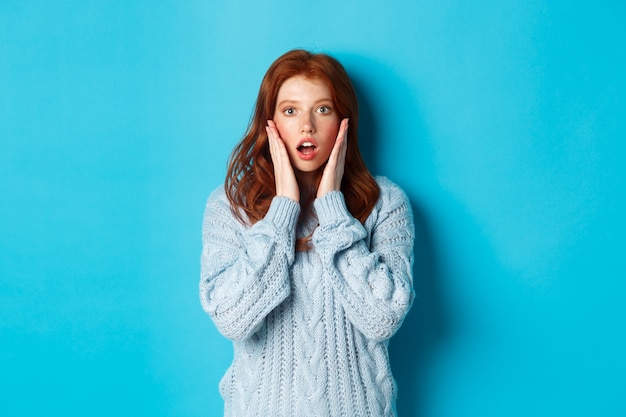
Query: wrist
330, 207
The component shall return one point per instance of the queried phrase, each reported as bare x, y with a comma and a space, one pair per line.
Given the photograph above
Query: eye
289, 111
324, 109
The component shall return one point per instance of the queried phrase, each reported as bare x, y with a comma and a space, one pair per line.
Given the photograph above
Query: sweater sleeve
373, 281
245, 270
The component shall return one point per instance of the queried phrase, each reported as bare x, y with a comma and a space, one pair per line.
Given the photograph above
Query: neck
307, 194
308, 183
307, 180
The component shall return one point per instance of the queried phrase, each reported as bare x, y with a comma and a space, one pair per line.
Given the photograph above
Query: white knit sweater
310, 329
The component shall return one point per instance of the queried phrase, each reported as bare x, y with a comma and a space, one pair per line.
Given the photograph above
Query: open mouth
307, 148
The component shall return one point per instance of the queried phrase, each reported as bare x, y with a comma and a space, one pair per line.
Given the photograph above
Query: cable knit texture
310, 329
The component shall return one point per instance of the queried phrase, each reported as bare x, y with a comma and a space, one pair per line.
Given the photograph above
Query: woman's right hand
286, 183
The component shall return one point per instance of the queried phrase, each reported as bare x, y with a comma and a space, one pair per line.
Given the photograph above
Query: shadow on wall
361, 74
425, 327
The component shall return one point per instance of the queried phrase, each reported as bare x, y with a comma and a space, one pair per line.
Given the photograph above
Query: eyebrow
298, 101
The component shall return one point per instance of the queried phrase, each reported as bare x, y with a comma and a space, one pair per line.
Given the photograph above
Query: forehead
300, 87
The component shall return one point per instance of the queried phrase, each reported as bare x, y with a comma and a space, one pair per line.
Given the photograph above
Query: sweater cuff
283, 213
330, 207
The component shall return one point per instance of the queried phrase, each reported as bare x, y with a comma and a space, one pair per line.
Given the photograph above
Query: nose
308, 125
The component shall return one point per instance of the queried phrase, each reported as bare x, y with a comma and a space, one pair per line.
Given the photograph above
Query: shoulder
390, 193
217, 198
392, 216
218, 194
392, 206
217, 205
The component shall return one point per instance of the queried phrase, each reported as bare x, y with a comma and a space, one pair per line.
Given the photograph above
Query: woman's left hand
333, 172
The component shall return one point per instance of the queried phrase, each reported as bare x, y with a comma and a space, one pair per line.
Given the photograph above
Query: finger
343, 129
342, 148
277, 147
344, 142
272, 142
279, 154
274, 130
273, 135
342, 135
286, 183
345, 123
339, 146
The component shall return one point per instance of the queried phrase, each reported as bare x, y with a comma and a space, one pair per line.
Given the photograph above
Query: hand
333, 172
286, 183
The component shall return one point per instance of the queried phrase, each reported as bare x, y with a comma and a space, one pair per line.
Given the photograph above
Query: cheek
283, 127
331, 130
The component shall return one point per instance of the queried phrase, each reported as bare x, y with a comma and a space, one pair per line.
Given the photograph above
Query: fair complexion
306, 138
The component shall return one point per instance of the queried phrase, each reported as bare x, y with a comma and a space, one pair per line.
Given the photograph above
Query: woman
307, 259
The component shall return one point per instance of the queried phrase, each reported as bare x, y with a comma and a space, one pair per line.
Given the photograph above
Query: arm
373, 283
245, 271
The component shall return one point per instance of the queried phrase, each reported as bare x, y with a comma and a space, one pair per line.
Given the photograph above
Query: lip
310, 155
301, 142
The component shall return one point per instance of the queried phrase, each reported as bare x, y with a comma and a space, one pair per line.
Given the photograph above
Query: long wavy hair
250, 184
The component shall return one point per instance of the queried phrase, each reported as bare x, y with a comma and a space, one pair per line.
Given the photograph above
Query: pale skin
305, 113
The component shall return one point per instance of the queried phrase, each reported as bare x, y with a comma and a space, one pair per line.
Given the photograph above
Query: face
308, 123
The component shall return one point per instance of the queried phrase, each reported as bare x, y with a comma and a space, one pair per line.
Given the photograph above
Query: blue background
504, 122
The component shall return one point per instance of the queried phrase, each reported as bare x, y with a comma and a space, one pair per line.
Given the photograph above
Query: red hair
250, 184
